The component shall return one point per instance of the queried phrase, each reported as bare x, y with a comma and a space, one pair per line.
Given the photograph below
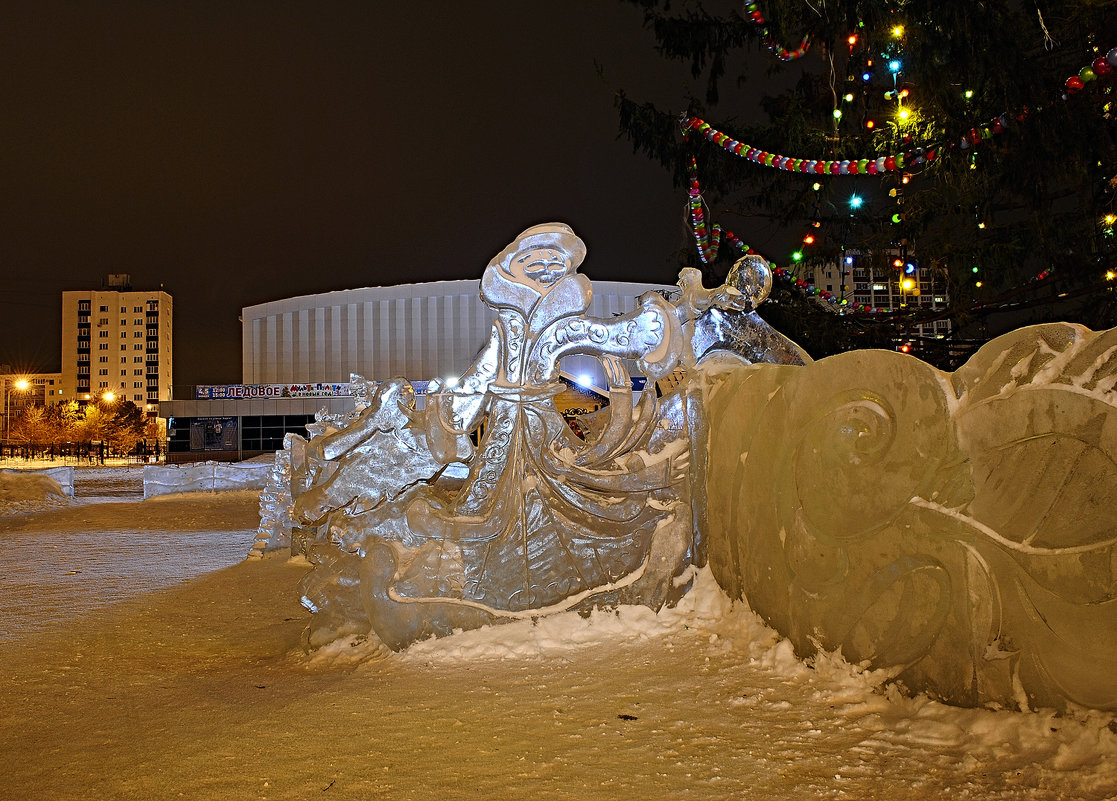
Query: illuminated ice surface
544, 521
958, 529
200, 690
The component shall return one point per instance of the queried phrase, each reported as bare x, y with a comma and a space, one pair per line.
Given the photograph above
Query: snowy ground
144, 657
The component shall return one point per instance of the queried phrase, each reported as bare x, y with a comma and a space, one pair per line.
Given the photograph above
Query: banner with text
248, 391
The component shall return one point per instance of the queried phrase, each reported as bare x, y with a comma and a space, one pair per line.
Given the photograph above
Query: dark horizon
237, 153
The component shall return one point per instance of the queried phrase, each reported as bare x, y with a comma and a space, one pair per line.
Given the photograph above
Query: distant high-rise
117, 340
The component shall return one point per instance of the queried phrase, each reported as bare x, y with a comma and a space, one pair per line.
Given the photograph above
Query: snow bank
190, 690
706, 609
863, 699
24, 490
205, 477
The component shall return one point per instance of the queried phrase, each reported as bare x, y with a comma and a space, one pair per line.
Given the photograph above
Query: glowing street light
109, 396
20, 385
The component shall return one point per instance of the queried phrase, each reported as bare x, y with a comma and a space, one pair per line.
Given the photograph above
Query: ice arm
453, 412
652, 334
384, 413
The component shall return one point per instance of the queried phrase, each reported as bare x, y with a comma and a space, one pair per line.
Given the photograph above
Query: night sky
239, 152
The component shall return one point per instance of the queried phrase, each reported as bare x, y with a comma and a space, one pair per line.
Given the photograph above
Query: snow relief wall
205, 477
50, 481
960, 527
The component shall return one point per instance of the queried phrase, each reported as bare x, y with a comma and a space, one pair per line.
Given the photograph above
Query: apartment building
116, 339
891, 284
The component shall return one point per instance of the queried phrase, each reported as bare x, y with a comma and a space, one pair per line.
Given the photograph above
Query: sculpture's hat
547, 235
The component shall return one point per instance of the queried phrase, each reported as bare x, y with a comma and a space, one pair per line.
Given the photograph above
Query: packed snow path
198, 688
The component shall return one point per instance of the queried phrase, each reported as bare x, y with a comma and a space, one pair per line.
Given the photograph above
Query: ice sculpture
959, 527
542, 521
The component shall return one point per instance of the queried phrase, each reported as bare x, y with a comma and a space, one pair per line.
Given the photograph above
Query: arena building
298, 355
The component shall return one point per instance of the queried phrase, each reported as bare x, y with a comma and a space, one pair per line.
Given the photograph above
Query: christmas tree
966, 148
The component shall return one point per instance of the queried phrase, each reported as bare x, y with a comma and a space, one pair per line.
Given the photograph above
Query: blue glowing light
894, 66
855, 201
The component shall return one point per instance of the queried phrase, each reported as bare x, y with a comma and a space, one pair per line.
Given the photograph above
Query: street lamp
21, 385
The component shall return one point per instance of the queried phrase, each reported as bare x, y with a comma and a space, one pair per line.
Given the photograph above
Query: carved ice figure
959, 528
723, 321
543, 520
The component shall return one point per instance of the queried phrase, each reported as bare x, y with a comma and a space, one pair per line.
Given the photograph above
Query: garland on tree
1100, 67
874, 166
755, 16
708, 235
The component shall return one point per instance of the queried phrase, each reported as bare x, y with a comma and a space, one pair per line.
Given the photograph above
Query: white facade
117, 340
418, 331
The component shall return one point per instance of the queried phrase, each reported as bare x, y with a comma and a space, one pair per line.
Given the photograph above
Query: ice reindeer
544, 521
958, 528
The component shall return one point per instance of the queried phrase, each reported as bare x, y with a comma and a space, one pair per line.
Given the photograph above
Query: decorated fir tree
970, 146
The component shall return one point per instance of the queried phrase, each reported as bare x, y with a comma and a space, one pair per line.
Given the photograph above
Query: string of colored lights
794, 164
752, 11
1101, 66
708, 235
1098, 68
708, 240
708, 251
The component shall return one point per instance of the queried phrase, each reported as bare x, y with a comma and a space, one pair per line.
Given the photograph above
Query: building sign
249, 391
319, 390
